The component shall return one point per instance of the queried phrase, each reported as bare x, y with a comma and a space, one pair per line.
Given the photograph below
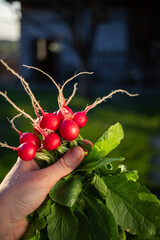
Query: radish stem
7, 146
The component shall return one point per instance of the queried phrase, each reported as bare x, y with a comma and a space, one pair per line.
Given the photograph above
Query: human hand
25, 188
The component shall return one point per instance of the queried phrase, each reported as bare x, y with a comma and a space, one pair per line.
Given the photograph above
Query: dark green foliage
61, 223
66, 192
84, 228
97, 201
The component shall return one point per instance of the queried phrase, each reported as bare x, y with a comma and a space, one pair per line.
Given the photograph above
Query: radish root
61, 100
22, 112
100, 100
73, 94
61, 97
58, 87
12, 122
76, 75
35, 103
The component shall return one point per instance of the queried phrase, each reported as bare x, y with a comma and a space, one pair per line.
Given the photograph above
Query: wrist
5, 226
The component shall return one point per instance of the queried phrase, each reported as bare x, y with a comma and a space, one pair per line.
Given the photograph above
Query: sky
9, 21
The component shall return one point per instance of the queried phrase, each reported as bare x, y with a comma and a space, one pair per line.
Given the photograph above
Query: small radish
67, 111
30, 137
80, 118
51, 141
27, 151
50, 121
69, 130
27, 136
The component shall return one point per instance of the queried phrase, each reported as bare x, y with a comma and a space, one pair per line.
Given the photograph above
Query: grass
139, 116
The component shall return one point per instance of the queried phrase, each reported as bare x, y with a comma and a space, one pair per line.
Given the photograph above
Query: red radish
27, 151
50, 121
27, 136
80, 118
68, 112
69, 130
30, 137
52, 141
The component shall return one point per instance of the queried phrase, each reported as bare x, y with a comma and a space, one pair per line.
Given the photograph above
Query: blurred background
118, 40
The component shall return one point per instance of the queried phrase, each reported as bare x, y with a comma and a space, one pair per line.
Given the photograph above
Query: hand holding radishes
25, 188
95, 201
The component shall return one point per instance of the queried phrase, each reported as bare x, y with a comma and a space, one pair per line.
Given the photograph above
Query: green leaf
100, 186
105, 144
102, 222
32, 232
133, 206
37, 236
62, 224
90, 190
39, 223
45, 208
96, 164
43, 157
132, 175
84, 228
66, 192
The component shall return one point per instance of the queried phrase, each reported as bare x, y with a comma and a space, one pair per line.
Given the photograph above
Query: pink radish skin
69, 130
60, 115
50, 121
30, 137
80, 118
51, 142
27, 151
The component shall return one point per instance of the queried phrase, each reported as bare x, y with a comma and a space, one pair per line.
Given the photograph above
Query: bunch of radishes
55, 128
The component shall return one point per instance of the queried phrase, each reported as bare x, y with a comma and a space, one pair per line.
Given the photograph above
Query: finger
65, 165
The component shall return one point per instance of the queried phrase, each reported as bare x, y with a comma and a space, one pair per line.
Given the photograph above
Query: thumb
62, 167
